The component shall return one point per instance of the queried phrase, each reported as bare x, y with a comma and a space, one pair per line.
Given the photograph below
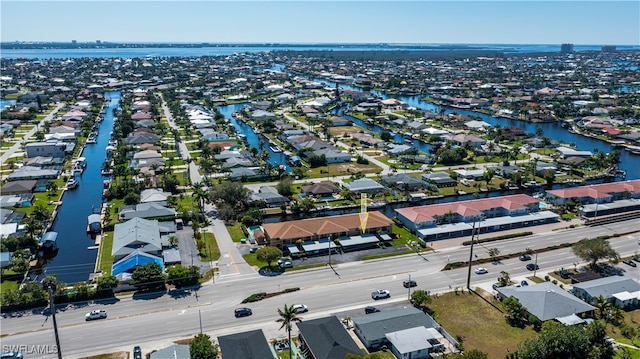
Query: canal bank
74, 261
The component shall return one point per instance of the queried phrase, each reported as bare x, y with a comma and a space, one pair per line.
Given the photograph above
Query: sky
321, 21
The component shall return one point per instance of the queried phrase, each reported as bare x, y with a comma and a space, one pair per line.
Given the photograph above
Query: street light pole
535, 266
473, 230
52, 308
409, 288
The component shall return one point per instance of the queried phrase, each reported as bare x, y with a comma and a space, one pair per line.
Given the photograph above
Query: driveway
189, 251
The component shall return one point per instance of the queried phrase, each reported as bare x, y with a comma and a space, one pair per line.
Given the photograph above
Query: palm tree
288, 316
602, 305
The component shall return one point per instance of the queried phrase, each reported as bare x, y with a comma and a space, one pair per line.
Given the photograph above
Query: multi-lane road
154, 321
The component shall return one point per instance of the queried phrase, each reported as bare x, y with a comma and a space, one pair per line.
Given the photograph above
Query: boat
275, 148
94, 223
92, 139
241, 137
72, 183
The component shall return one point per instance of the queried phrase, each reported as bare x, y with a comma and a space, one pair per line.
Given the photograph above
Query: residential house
462, 139
268, 195
245, 173
440, 179
333, 155
364, 185
325, 338
383, 328
403, 182
137, 234
570, 152
245, 345
322, 189
18, 187
547, 301
56, 149
32, 172
335, 121
622, 291
140, 137
155, 195
145, 210
261, 115
175, 351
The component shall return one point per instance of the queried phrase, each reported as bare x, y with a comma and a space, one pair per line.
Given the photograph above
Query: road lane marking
233, 261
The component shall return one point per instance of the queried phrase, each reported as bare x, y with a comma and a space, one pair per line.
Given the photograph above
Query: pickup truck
96, 314
380, 294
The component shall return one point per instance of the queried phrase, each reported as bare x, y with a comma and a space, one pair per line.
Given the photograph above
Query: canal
74, 261
253, 139
628, 161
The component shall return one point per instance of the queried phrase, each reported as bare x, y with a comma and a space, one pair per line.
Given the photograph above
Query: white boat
72, 183
275, 148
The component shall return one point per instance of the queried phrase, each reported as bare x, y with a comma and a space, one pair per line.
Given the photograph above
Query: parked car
11, 355
409, 283
380, 294
481, 270
96, 314
525, 257
370, 309
495, 286
629, 262
300, 308
243, 312
285, 263
137, 352
533, 266
565, 274
281, 345
637, 259
524, 283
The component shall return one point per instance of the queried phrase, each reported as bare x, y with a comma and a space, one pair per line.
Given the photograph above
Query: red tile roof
598, 190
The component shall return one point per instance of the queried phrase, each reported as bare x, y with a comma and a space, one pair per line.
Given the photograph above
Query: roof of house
176, 351
466, 208
375, 326
153, 195
136, 233
401, 178
133, 260
546, 300
608, 286
323, 226
145, 210
24, 186
326, 338
602, 190
363, 184
324, 187
245, 345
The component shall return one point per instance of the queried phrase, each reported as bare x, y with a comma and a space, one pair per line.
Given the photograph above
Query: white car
380, 294
481, 270
96, 314
300, 308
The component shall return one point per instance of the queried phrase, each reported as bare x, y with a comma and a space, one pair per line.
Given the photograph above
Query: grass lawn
236, 232
7, 285
116, 355
211, 248
104, 255
482, 326
341, 169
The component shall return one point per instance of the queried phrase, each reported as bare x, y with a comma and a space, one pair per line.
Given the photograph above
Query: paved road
155, 320
17, 146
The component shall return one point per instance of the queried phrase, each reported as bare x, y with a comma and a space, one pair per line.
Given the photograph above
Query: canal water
74, 262
628, 161
253, 139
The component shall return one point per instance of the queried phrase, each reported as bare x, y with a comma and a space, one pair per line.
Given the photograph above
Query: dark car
532, 266
137, 352
525, 257
409, 283
370, 309
629, 262
637, 259
524, 283
243, 312
565, 274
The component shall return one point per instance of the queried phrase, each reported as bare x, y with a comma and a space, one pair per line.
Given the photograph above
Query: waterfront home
245, 345
440, 179
395, 150
547, 301
570, 152
74, 115
145, 210
269, 196
155, 195
335, 121
18, 187
245, 173
462, 139
141, 115
364, 185
403, 182
325, 338
261, 115
140, 137
33, 172
123, 268
16, 200
331, 155
137, 234
210, 135
54, 148
322, 189
470, 174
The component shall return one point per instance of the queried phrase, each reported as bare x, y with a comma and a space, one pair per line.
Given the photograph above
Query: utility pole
52, 308
473, 233
200, 317
409, 288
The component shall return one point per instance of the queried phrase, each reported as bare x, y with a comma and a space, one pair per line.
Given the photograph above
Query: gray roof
145, 210
176, 351
137, 233
326, 338
410, 340
153, 195
402, 178
608, 286
375, 326
364, 184
245, 345
171, 255
546, 300
29, 172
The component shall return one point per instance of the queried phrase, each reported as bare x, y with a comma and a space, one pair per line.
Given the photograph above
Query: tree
594, 249
559, 341
181, 276
493, 253
173, 240
268, 254
504, 279
602, 306
421, 298
201, 347
516, 312
106, 282
288, 316
284, 186
148, 276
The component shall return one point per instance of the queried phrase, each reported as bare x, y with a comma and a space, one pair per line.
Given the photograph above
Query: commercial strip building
451, 220
600, 199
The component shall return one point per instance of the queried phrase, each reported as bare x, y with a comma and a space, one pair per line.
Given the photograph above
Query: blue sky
306, 21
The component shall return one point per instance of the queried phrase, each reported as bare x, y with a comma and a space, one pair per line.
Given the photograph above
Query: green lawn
7, 285
211, 252
235, 231
482, 326
104, 253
